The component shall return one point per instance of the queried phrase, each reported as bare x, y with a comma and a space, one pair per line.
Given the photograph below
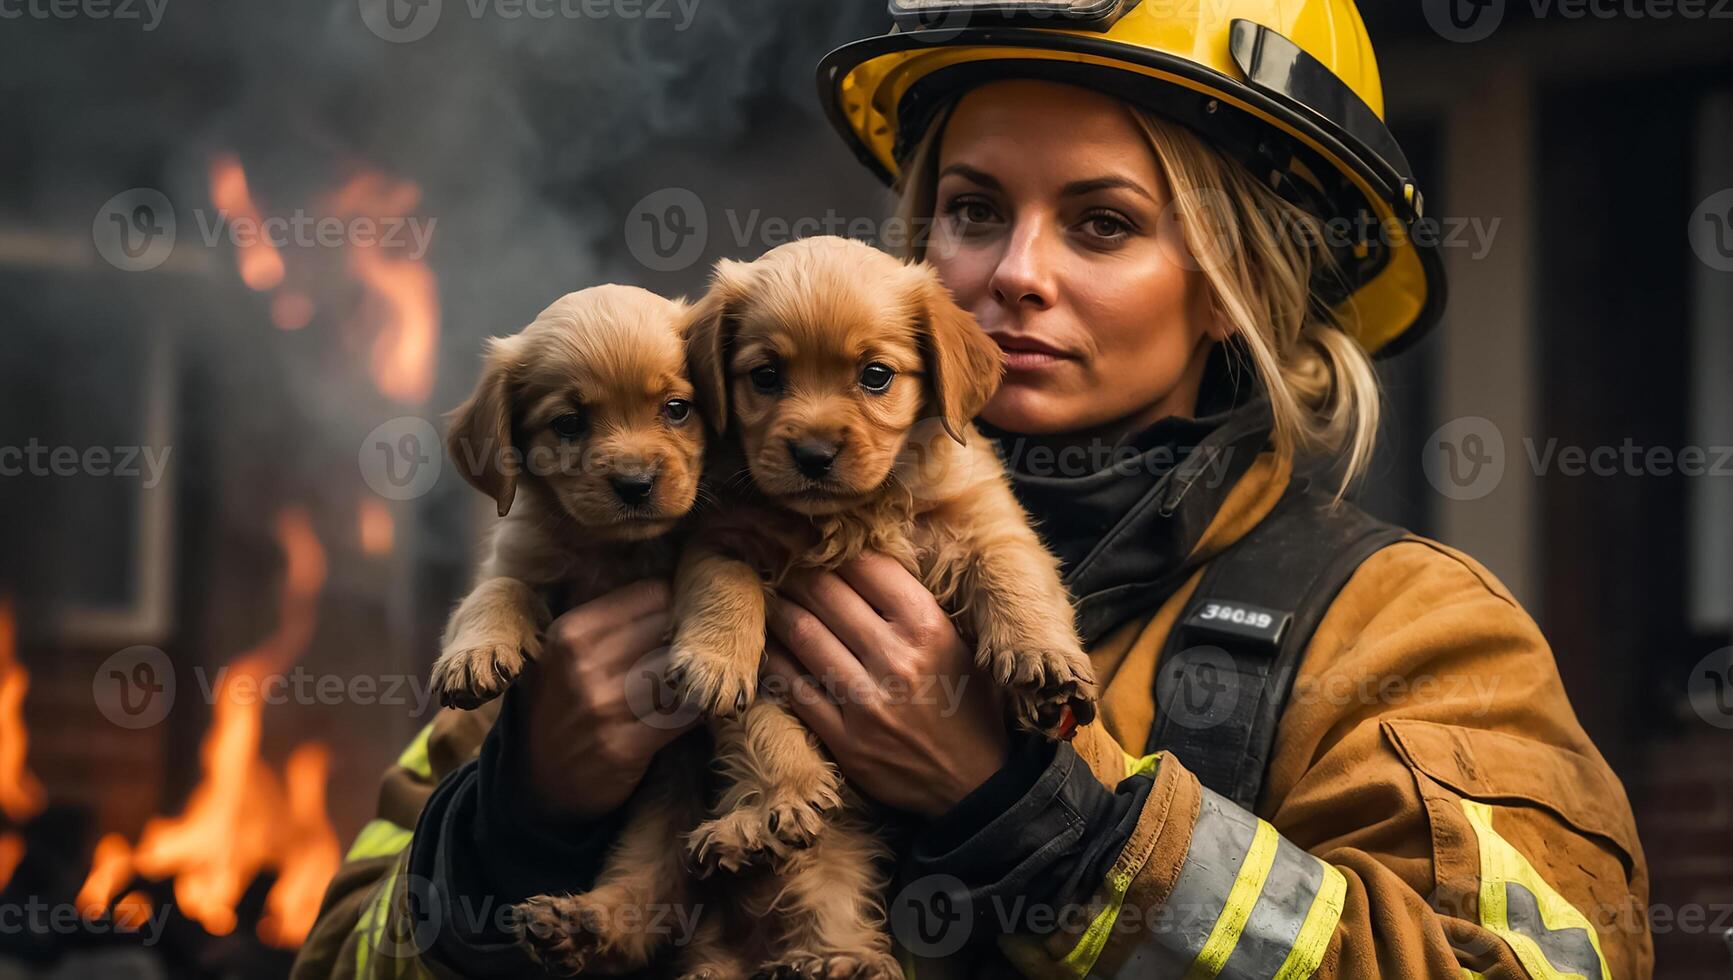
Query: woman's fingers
633, 639
884, 583
810, 704
850, 617
637, 599
818, 650
592, 621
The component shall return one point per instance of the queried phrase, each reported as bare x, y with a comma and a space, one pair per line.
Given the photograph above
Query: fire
312, 856
21, 796
11, 853
291, 310
133, 912
376, 528
260, 266
110, 871
240, 820
400, 305
402, 302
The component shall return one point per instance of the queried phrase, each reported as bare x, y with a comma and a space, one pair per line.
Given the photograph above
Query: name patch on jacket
1230, 620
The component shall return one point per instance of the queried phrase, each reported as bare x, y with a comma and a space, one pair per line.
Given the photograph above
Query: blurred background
228, 543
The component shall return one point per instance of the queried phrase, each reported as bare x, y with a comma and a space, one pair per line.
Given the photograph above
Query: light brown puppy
845, 382
584, 431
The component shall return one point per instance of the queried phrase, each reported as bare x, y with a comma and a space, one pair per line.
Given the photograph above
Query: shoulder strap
1228, 667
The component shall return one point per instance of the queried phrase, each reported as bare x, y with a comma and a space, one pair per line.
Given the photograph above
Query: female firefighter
1325, 747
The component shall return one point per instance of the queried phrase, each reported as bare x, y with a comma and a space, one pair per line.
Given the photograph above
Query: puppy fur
584, 430
843, 382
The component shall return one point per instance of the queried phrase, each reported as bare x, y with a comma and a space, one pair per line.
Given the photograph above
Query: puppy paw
748, 836
470, 676
561, 932
832, 966
1043, 683
721, 683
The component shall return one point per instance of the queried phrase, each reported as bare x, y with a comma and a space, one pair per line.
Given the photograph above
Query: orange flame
21, 796
233, 826
291, 310
312, 855
402, 303
11, 853
256, 259
133, 912
376, 528
110, 871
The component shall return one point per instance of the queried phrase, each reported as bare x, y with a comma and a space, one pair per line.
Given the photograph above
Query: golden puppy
583, 430
846, 381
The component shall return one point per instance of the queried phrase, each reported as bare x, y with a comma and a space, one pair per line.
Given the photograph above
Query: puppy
844, 382
585, 432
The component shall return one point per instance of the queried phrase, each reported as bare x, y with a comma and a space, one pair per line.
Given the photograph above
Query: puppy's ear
480, 435
964, 367
709, 331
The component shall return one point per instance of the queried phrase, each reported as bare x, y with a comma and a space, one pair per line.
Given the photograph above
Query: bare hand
877, 670
589, 737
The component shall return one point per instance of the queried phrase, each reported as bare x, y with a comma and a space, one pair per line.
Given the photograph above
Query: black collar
1124, 526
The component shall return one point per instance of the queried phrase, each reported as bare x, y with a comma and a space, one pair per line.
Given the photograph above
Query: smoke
530, 126
524, 122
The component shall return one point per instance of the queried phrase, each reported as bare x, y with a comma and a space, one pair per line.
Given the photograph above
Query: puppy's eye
766, 380
677, 410
876, 378
568, 427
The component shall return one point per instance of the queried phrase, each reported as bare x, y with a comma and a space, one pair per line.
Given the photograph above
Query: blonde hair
1259, 254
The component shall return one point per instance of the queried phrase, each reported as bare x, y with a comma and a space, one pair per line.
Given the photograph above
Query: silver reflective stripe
1248, 905
1276, 919
1219, 842
1569, 950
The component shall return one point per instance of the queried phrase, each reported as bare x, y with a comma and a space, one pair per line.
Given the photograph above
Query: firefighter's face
1050, 227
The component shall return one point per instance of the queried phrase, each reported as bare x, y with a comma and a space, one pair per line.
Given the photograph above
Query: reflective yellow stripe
374, 923
415, 757
1082, 957
376, 913
1146, 765
1501, 866
1031, 958
1248, 885
378, 839
1314, 939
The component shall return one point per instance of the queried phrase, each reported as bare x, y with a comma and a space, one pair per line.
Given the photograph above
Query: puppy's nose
814, 457
633, 489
